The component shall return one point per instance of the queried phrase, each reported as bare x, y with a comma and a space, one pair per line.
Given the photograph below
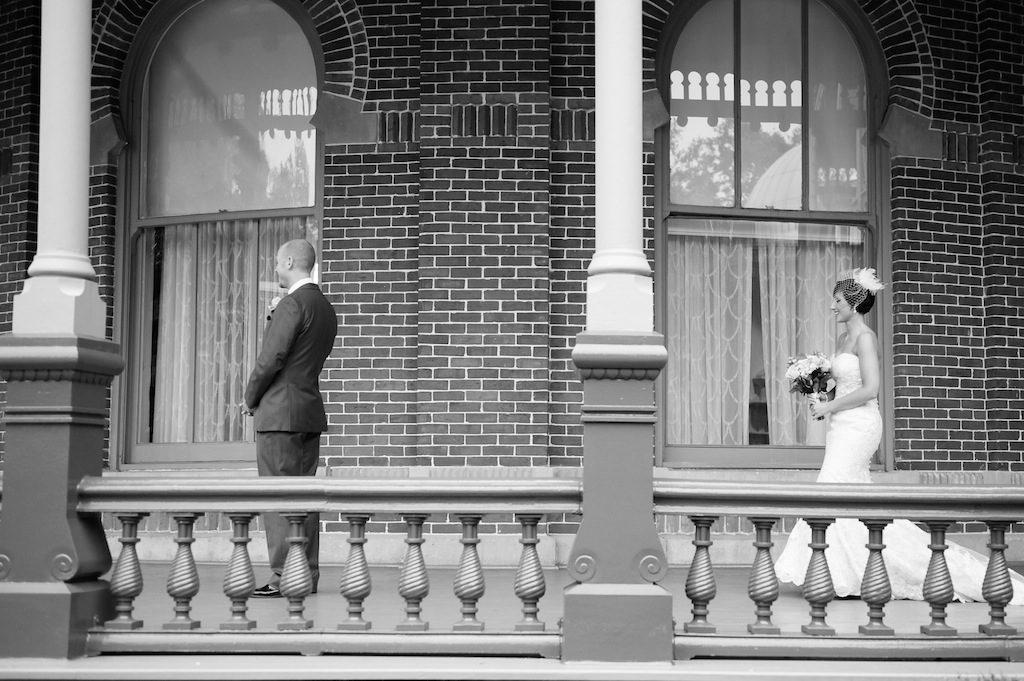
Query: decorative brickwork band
484, 120
397, 126
572, 125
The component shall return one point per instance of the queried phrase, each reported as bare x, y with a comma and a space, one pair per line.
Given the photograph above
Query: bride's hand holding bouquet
811, 375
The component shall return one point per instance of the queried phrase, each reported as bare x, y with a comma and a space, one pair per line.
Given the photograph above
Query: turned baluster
296, 578
126, 580
875, 589
700, 580
997, 587
355, 579
938, 585
763, 587
818, 589
239, 580
183, 580
469, 578
414, 584
530, 586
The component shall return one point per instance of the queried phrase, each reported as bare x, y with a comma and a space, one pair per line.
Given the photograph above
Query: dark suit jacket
284, 387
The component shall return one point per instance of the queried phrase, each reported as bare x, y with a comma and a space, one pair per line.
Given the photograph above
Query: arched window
224, 169
769, 186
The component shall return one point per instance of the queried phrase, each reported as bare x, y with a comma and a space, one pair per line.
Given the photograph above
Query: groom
284, 395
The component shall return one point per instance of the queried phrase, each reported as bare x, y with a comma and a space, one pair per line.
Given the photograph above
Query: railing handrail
840, 500
155, 494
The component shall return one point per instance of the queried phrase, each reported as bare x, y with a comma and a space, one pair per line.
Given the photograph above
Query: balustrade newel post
818, 589
296, 578
997, 587
529, 585
701, 587
239, 579
875, 589
616, 611
414, 583
126, 579
183, 580
58, 366
763, 587
355, 579
469, 578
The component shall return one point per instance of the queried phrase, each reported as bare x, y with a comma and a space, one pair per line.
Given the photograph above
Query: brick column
57, 366
616, 611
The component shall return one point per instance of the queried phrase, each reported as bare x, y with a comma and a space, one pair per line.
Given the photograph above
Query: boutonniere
273, 306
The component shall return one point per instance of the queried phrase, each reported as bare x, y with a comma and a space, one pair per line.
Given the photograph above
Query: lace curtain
708, 339
209, 313
715, 347
797, 273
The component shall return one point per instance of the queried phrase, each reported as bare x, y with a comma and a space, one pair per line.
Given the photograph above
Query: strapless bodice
846, 373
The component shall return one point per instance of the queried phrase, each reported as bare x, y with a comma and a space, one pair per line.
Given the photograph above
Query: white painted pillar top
60, 296
620, 291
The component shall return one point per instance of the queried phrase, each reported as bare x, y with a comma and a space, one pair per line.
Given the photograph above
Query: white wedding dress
852, 438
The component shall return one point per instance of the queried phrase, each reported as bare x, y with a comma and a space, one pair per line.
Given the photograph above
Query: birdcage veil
855, 285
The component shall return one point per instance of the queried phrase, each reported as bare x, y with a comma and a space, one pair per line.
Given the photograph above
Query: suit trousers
280, 453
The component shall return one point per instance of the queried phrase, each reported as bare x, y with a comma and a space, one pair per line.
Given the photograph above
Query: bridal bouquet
809, 374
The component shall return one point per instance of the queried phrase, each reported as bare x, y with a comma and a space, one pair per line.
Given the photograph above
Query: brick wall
1000, 26
455, 246
19, 148
482, 385
19, 153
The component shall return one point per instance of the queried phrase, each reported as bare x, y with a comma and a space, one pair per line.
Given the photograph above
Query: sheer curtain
798, 266
209, 316
223, 327
708, 336
175, 341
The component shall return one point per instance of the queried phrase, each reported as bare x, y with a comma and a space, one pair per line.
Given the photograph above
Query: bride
854, 433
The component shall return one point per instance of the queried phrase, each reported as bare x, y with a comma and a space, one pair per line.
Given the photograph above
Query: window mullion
737, 131
805, 129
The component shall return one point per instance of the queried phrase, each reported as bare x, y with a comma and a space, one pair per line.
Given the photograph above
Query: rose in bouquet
809, 374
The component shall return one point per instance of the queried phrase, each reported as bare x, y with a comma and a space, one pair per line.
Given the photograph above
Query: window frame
130, 293
874, 221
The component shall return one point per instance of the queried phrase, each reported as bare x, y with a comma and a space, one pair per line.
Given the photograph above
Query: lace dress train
852, 438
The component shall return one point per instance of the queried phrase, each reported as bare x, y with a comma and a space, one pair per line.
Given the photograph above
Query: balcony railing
466, 502
820, 505
529, 502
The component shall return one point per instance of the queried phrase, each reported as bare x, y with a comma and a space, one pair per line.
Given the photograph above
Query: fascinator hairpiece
857, 284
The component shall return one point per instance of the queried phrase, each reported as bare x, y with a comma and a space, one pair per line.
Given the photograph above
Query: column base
60, 305
51, 619
617, 623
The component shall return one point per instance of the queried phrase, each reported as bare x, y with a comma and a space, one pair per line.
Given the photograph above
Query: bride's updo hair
858, 287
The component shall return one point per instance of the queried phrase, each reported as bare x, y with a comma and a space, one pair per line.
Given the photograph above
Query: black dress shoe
267, 591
